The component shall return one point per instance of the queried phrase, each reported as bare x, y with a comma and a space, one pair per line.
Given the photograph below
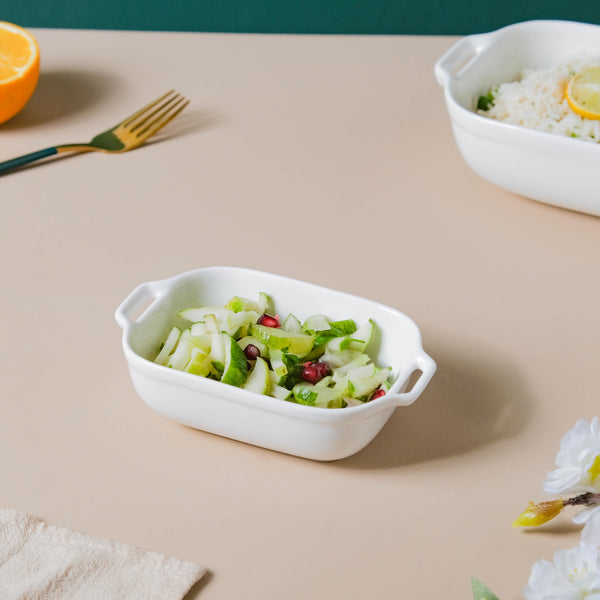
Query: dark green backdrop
432, 17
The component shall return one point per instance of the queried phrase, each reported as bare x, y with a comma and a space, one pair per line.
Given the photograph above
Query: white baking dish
307, 431
542, 166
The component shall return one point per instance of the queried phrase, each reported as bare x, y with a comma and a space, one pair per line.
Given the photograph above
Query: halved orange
19, 69
583, 93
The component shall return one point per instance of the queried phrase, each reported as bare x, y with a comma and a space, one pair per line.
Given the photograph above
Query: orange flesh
19, 69
15, 53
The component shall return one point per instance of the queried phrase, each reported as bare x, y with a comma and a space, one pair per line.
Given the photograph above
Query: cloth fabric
43, 562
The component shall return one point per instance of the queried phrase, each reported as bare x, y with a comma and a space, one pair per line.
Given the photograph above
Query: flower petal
577, 461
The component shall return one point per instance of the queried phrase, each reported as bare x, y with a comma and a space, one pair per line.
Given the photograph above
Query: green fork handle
13, 163
7, 165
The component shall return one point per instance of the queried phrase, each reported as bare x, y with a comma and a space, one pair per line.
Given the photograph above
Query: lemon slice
583, 93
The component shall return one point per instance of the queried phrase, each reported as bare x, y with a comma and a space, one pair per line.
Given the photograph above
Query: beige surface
328, 159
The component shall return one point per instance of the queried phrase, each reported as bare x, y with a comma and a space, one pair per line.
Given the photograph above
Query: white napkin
44, 562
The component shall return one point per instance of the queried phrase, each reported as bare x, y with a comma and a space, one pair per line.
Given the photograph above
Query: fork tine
143, 119
142, 111
163, 118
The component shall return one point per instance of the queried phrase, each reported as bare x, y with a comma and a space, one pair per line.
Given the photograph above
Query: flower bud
538, 514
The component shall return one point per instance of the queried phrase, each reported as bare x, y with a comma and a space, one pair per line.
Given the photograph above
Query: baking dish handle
459, 56
142, 295
427, 366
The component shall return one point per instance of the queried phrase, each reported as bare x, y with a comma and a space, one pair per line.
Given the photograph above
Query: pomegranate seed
377, 394
268, 320
313, 372
251, 352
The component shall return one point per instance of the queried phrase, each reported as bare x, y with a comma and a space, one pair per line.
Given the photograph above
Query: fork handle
7, 165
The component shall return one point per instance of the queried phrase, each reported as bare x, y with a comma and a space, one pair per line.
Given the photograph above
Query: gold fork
126, 135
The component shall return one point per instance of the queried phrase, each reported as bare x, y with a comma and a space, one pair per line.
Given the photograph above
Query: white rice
537, 100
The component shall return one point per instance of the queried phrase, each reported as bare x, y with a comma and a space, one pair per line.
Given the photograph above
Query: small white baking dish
307, 431
538, 165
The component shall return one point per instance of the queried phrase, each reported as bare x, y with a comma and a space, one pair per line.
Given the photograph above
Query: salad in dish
317, 362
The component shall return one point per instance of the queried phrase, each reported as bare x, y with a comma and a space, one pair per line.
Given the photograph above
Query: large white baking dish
542, 166
307, 431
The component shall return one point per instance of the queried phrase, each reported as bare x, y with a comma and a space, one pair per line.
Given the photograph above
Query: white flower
578, 461
591, 531
574, 575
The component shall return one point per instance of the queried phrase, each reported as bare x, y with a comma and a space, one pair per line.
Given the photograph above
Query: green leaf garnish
294, 370
485, 102
345, 327
336, 329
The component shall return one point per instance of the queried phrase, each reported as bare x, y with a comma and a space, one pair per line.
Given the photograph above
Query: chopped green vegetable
487, 101
320, 362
